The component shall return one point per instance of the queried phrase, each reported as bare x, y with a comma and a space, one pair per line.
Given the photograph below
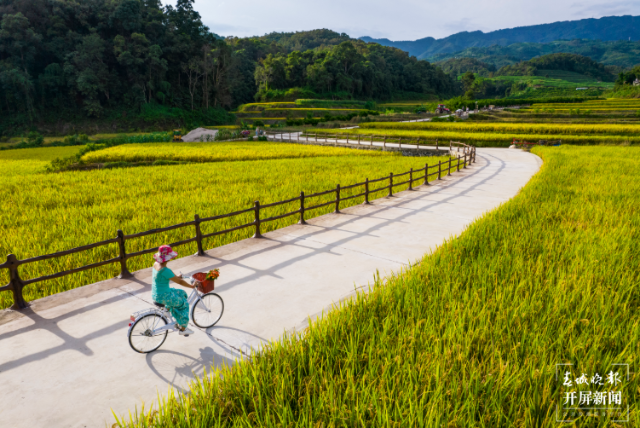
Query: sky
397, 19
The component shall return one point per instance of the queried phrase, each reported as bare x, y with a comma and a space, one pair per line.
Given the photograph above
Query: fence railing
361, 140
16, 283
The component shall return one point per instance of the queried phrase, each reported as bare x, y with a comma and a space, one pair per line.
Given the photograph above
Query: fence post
298, 137
347, 138
124, 272
384, 143
390, 184
358, 139
440, 170
256, 205
450, 146
316, 137
16, 283
399, 142
458, 164
464, 164
336, 140
198, 236
337, 211
411, 179
366, 191
449, 169
437, 149
371, 143
302, 220
426, 173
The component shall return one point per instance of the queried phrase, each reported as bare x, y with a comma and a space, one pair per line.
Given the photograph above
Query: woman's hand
198, 285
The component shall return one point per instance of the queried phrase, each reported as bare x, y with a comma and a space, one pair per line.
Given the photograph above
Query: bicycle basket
207, 286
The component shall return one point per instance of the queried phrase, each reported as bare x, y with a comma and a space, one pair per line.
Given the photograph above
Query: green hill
305, 40
458, 66
577, 65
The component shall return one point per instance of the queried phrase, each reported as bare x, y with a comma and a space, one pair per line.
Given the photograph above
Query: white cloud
399, 19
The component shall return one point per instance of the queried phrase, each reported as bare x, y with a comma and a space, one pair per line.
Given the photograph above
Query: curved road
66, 361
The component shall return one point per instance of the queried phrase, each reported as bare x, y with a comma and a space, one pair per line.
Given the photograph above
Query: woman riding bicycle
175, 300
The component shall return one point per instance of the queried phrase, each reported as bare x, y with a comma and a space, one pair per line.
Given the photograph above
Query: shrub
35, 138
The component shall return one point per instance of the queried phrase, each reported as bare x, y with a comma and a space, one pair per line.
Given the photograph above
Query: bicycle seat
160, 305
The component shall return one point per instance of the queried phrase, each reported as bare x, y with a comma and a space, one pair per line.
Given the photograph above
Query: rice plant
219, 152
512, 128
479, 139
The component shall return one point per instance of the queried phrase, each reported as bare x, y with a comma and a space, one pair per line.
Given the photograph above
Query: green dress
175, 300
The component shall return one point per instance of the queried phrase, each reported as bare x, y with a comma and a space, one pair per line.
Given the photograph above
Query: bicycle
149, 328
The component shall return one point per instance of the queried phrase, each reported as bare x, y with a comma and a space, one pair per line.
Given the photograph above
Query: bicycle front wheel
143, 337
207, 311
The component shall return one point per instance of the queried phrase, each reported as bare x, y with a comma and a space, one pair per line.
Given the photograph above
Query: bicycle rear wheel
142, 338
207, 311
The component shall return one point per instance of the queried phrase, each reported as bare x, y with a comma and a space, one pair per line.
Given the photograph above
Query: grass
44, 213
219, 152
471, 335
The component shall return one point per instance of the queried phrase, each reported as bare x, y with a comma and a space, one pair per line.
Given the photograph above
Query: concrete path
66, 362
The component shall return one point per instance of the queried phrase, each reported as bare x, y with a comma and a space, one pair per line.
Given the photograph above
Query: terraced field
44, 212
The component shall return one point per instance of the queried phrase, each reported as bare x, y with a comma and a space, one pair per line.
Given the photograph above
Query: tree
18, 43
88, 74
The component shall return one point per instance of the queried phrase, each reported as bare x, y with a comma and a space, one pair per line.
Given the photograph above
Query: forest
96, 57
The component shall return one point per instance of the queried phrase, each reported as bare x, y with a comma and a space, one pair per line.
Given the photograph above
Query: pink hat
164, 254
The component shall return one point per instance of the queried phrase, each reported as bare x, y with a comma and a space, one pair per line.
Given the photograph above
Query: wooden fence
361, 140
17, 284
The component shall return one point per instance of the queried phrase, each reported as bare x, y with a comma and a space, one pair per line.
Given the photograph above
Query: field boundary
16, 284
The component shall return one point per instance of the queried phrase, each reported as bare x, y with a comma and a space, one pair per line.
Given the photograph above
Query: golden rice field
593, 109
219, 152
312, 109
44, 213
471, 335
512, 128
480, 138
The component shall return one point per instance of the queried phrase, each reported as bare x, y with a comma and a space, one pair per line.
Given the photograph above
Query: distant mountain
606, 29
621, 54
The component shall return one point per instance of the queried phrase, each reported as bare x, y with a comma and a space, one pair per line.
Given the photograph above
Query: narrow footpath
66, 362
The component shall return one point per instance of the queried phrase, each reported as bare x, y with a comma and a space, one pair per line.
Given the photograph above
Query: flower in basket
212, 275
